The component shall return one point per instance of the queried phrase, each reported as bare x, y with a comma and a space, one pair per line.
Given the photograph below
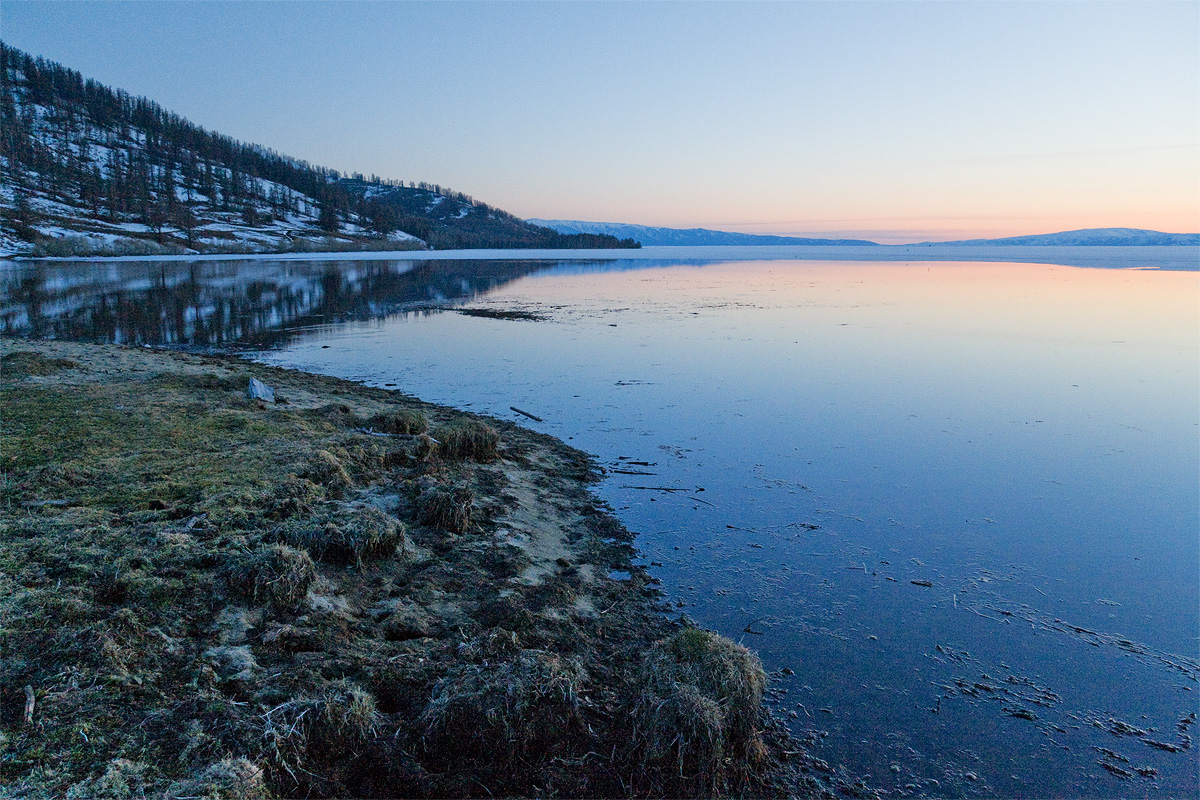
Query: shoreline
347, 592
1158, 257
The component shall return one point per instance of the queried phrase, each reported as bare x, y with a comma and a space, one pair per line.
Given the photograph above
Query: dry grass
23, 363
698, 709
402, 421
468, 440
446, 509
506, 707
354, 535
331, 727
325, 469
276, 573
198, 620
228, 779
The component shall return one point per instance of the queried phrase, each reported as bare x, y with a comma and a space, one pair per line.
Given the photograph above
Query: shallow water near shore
957, 500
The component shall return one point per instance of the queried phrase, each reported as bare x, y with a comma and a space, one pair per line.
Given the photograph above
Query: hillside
88, 170
649, 236
1112, 237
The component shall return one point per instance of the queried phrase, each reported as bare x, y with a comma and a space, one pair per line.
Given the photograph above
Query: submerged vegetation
204, 595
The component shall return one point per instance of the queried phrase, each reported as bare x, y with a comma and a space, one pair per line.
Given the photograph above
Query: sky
893, 121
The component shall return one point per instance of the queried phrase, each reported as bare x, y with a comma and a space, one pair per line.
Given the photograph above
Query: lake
951, 496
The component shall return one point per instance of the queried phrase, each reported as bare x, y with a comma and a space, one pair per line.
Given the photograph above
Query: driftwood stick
30, 702
527, 414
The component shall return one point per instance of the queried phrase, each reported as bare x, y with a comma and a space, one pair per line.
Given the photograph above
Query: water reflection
959, 500
221, 304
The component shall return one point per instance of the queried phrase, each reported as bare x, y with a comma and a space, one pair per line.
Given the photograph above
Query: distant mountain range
685, 236
1085, 237
650, 236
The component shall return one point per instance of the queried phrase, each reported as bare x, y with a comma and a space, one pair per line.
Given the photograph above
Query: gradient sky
897, 121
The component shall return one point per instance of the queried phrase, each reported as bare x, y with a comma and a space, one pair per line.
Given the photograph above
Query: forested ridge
87, 169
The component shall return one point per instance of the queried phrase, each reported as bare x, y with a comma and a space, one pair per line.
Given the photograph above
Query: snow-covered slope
85, 170
88, 170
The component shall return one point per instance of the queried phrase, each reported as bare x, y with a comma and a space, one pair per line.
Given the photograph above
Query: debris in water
1170, 748
526, 414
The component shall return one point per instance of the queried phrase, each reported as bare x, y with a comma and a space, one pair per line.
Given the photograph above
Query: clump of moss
401, 421
358, 535
698, 709
24, 363
325, 469
446, 509
524, 704
468, 439
277, 573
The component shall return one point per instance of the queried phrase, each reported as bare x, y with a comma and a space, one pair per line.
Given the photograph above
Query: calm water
1019, 439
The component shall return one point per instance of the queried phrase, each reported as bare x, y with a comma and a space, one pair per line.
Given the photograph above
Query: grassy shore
347, 592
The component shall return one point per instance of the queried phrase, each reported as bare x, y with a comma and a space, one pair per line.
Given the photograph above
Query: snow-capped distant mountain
1087, 236
649, 236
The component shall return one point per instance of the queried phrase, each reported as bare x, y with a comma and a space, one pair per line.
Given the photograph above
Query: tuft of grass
277, 573
121, 778
357, 535
503, 708
468, 440
229, 779
446, 509
402, 421
427, 448
24, 363
331, 726
325, 469
698, 709
294, 497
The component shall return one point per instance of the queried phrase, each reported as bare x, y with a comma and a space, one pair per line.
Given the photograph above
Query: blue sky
897, 121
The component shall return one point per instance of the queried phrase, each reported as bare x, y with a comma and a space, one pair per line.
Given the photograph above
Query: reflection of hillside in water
220, 304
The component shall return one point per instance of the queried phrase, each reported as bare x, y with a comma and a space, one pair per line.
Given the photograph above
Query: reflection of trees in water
252, 303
